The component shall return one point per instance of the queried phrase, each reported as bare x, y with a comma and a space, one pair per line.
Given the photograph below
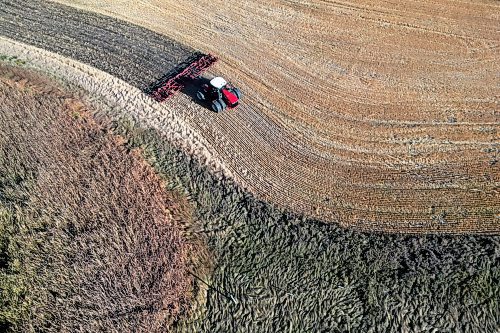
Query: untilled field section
376, 115
131, 53
99, 237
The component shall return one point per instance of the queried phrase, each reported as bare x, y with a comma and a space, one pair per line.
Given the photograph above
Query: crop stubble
375, 115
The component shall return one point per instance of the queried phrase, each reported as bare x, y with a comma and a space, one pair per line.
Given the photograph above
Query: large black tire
200, 96
216, 106
237, 92
223, 104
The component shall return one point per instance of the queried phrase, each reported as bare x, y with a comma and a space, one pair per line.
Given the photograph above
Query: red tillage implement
190, 70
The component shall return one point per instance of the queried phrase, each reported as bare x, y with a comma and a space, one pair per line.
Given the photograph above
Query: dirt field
377, 115
131, 53
372, 113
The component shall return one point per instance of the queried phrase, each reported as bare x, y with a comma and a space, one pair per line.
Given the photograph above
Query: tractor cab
220, 94
218, 83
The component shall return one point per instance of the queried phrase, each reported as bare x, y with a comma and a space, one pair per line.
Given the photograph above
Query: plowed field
374, 114
370, 112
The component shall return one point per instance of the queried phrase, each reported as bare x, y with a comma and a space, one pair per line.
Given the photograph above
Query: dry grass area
90, 238
375, 114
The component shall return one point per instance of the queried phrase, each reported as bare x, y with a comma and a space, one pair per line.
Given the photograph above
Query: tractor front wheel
237, 92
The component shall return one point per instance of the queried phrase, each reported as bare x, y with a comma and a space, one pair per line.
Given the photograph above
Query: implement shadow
192, 87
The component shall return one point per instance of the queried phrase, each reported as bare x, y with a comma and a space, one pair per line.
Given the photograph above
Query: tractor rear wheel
216, 106
237, 92
223, 104
200, 96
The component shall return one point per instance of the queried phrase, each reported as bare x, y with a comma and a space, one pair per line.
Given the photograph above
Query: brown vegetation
91, 239
369, 113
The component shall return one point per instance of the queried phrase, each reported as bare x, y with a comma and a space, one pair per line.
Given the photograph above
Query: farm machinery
217, 93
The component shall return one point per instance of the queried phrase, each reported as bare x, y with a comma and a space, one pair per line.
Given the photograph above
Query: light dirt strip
122, 99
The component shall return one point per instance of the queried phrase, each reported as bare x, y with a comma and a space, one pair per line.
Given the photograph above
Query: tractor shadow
192, 87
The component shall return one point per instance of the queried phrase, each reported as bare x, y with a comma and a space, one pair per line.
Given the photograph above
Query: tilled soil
134, 54
375, 115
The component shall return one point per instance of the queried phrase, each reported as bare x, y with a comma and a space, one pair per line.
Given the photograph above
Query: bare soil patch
131, 53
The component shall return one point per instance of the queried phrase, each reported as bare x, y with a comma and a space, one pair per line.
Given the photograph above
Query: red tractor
220, 94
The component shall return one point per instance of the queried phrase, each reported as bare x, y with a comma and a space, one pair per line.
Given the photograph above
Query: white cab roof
218, 82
